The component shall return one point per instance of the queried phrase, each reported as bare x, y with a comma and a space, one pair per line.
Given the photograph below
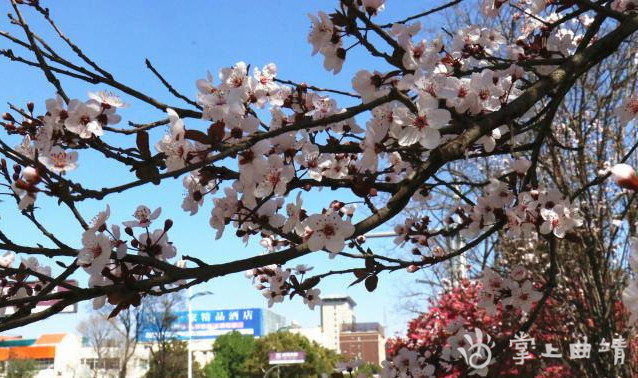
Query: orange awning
27, 353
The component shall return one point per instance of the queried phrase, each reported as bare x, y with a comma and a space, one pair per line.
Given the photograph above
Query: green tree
368, 370
174, 362
318, 359
21, 369
231, 351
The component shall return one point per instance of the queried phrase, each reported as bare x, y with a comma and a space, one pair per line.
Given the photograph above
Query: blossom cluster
276, 283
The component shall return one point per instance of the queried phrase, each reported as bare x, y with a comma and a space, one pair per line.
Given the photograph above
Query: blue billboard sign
208, 324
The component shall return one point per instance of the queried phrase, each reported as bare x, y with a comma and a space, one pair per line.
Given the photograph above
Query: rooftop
337, 298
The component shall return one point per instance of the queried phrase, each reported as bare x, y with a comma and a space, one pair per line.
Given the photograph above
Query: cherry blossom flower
320, 31
492, 281
107, 99
625, 176
559, 220
25, 188
99, 221
458, 95
489, 141
313, 160
252, 163
405, 32
328, 231
273, 297
83, 119
275, 179
265, 79
144, 217
405, 360
294, 212
156, 244
224, 208
235, 80
421, 128
420, 55
520, 166
268, 213
369, 85
491, 8
33, 264
174, 145
120, 246
488, 94
324, 106
334, 56
373, 6
302, 269
215, 105
95, 252
26, 147
518, 273
6, 260
523, 297
625, 5
194, 197
59, 160
312, 298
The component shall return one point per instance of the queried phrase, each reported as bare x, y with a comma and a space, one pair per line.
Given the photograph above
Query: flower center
421, 122
84, 120
328, 230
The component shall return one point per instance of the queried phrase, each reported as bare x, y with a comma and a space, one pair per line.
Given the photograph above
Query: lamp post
191, 296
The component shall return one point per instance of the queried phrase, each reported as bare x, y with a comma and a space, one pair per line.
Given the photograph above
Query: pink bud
31, 175
625, 176
412, 268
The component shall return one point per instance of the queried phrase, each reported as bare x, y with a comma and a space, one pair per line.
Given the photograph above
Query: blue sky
184, 40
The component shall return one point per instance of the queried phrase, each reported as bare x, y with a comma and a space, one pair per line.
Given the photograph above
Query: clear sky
184, 40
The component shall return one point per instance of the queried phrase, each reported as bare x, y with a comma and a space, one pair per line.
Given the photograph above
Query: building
109, 361
55, 355
67, 355
364, 341
340, 331
336, 310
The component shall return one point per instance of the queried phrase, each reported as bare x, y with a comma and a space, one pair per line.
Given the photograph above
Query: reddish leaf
142, 144
309, 283
216, 132
370, 263
361, 273
116, 311
148, 172
197, 136
371, 283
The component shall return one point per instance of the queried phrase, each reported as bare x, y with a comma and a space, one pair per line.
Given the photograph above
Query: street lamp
191, 296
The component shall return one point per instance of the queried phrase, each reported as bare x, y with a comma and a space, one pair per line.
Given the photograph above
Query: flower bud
31, 175
625, 176
30, 106
412, 268
168, 224
8, 117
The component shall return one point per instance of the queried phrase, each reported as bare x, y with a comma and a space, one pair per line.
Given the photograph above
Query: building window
44, 363
101, 364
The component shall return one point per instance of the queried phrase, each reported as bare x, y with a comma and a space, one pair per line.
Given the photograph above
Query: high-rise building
336, 310
340, 331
